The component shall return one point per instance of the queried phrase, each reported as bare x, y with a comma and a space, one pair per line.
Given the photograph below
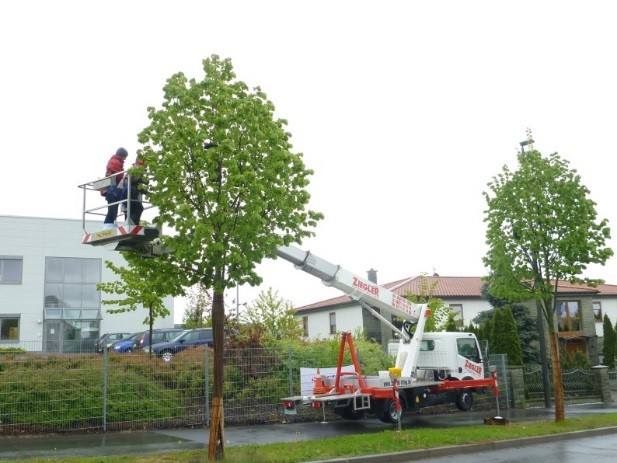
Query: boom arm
367, 294
354, 286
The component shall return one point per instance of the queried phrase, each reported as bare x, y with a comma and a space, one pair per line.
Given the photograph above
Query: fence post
500, 362
603, 382
105, 364
518, 386
207, 387
290, 364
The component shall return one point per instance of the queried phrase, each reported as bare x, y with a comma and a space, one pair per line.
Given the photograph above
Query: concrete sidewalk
140, 442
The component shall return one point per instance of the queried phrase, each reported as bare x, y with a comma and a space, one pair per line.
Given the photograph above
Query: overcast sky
405, 110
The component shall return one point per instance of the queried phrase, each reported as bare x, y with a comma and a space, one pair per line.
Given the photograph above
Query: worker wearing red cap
115, 165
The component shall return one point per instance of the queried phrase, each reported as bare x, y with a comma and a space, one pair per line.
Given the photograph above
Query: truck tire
350, 414
390, 414
464, 400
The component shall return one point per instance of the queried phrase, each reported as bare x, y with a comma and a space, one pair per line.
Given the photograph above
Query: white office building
48, 296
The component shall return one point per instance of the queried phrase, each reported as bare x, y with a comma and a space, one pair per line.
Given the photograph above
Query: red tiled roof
450, 287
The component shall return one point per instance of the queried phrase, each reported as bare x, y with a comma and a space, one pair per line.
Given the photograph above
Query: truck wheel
390, 414
464, 400
350, 414
167, 355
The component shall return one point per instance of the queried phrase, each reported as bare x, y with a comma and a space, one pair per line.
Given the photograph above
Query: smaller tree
609, 343
616, 340
442, 315
505, 337
136, 284
450, 325
276, 315
198, 312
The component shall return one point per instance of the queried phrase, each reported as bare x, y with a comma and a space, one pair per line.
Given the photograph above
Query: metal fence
577, 383
79, 392
69, 392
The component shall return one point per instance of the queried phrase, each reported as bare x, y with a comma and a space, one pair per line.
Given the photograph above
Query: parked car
188, 338
127, 344
108, 339
158, 335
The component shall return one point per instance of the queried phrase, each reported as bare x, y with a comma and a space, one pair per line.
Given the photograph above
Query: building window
568, 316
305, 326
10, 270
70, 283
72, 304
332, 322
597, 311
9, 328
457, 309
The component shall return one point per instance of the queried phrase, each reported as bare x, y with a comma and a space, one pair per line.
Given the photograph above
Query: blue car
189, 338
126, 344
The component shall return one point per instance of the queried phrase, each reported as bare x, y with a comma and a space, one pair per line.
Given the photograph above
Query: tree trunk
216, 449
557, 379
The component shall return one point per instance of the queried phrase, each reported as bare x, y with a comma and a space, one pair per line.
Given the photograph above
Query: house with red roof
579, 316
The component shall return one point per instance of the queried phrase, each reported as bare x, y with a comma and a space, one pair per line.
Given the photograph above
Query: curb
414, 455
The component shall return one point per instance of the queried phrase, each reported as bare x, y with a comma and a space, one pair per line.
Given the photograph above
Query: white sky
405, 110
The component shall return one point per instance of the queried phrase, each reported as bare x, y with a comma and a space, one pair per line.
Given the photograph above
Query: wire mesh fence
86, 392
108, 391
577, 382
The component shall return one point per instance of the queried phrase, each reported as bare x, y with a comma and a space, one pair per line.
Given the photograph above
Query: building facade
48, 278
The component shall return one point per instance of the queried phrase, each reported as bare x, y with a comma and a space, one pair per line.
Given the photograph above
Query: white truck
430, 368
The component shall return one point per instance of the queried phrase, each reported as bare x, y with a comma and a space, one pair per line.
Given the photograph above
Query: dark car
127, 344
158, 335
189, 338
108, 339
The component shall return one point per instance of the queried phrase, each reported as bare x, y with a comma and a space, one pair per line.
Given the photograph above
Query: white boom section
366, 291
354, 286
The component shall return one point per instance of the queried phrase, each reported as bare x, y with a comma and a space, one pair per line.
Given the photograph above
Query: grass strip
365, 444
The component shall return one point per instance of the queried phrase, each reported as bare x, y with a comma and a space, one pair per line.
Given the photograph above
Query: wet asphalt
140, 442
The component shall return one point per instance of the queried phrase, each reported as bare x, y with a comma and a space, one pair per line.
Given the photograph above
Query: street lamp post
540, 327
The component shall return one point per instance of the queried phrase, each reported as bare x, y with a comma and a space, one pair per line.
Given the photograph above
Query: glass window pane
90, 296
72, 271
92, 271
72, 314
91, 314
55, 314
10, 270
9, 329
573, 308
53, 270
72, 296
54, 295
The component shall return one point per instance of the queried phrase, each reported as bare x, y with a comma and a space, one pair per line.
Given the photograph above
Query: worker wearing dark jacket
136, 193
115, 165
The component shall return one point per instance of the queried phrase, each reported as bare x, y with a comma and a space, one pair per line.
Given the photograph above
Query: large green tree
229, 186
276, 315
542, 229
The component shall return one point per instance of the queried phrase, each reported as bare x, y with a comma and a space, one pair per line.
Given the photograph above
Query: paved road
118, 443
556, 449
